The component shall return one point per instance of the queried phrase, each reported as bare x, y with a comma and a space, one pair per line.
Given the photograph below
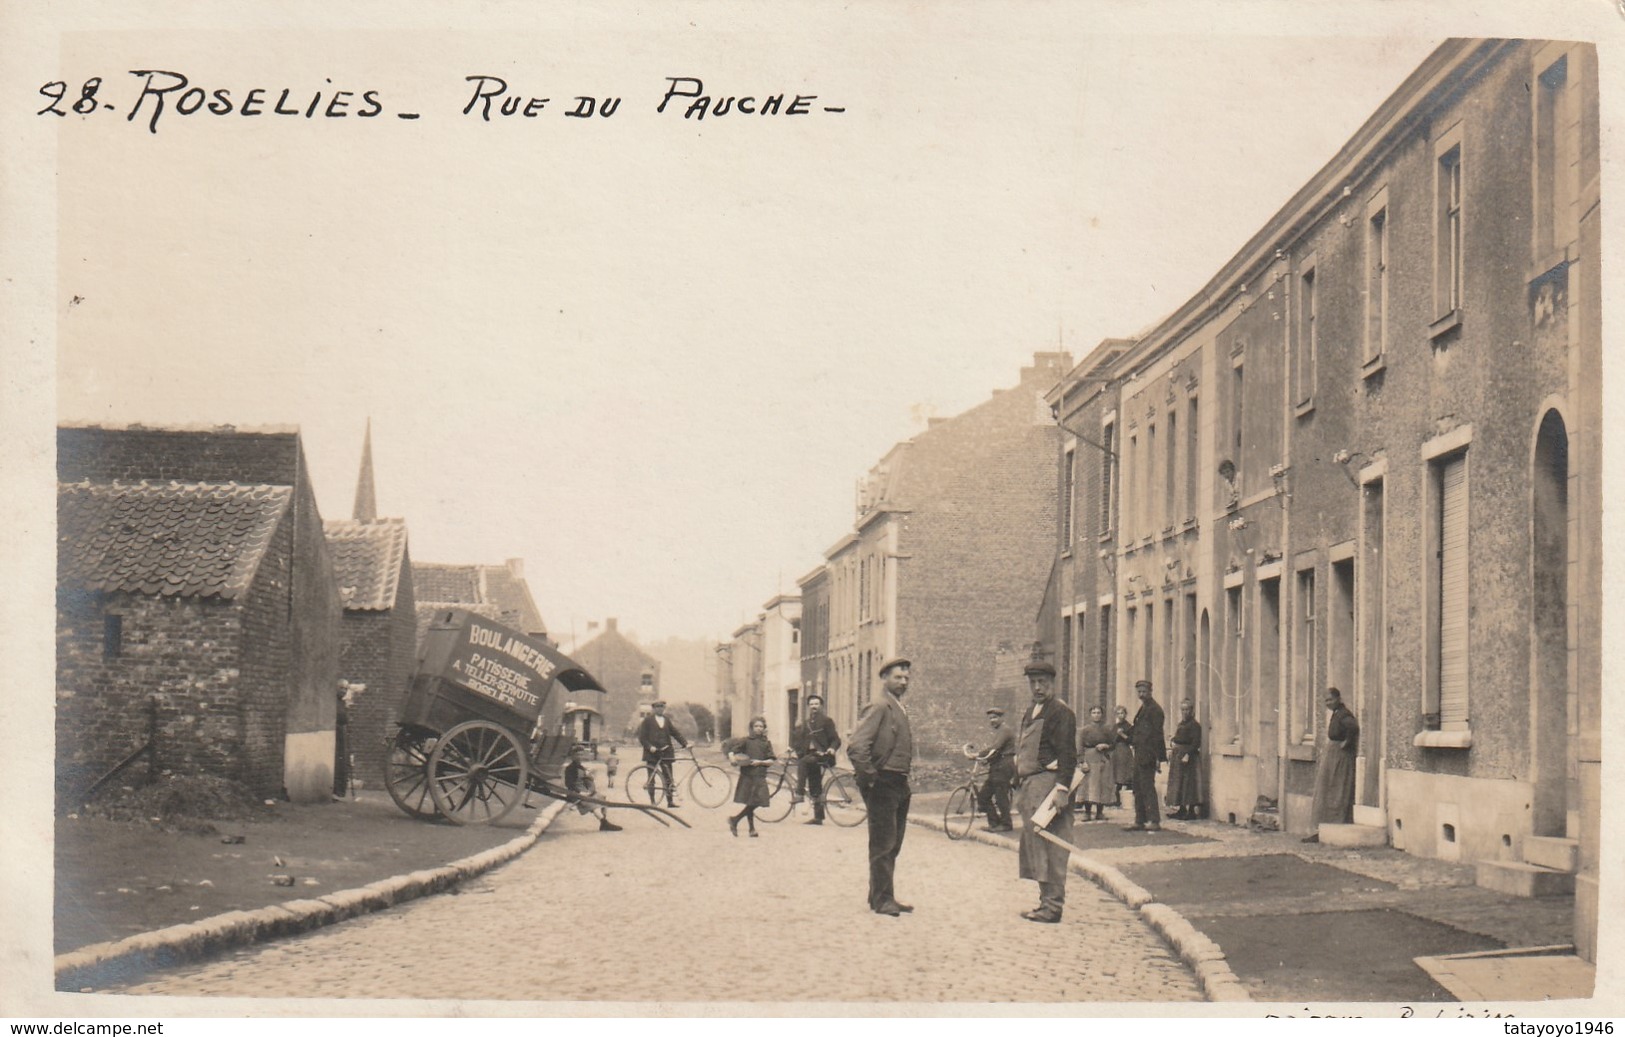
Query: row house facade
945, 563
781, 666
1366, 456
815, 637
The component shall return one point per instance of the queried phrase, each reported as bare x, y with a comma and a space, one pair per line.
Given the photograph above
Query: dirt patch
115, 878
1230, 879
1338, 956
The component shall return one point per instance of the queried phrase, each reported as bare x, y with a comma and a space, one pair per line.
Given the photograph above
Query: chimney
516, 568
610, 624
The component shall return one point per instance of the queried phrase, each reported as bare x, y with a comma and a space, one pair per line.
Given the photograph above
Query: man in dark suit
656, 734
1149, 752
1046, 760
814, 741
882, 751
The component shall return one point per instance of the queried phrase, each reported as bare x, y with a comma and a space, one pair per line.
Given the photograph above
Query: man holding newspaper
1046, 762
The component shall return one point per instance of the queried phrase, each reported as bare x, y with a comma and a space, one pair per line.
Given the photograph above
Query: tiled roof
367, 560
448, 583
493, 585
174, 539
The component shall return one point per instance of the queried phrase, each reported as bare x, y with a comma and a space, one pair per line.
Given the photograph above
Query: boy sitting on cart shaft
656, 734
579, 780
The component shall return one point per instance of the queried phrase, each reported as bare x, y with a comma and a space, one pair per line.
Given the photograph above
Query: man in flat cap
1000, 757
1149, 752
1046, 760
656, 734
882, 751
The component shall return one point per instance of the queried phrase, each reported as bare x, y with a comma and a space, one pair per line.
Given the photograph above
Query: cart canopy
505, 668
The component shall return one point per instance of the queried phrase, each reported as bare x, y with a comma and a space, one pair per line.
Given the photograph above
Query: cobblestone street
652, 914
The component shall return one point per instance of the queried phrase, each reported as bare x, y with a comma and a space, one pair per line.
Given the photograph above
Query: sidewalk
1305, 922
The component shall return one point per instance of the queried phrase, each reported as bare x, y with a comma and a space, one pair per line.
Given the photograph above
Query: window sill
1304, 409
1446, 324
1443, 739
1303, 751
1374, 366
1233, 749
1105, 538
1066, 553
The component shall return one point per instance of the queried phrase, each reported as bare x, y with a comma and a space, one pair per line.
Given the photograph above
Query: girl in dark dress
1123, 754
753, 755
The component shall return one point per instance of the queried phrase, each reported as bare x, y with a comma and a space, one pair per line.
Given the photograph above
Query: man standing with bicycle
814, 742
1000, 758
656, 734
882, 751
1046, 759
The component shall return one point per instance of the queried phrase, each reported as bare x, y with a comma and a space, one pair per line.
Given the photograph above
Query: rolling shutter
1453, 594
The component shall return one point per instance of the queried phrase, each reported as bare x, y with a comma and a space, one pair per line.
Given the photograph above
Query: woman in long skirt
753, 755
1185, 767
1095, 755
1123, 755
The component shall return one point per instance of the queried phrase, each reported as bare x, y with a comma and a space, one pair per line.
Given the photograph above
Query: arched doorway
1551, 707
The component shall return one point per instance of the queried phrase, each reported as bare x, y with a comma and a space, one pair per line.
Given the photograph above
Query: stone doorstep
1352, 835
1554, 853
1523, 880
1513, 974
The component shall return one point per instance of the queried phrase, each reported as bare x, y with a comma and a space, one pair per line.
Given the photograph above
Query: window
1557, 147
1304, 656
112, 636
1148, 511
1108, 680
1107, 432
1192, 461
1376, 277
1170, 501
1304, 353
1238, 398
1069, 473
1237, 676
1131, 516
1448, 708
1066, 659
1448, 259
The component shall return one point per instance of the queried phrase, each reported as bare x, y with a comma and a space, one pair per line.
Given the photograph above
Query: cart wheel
406, 773
709, 786
477, 773
643, 786
779, 803
842, 804
960, 814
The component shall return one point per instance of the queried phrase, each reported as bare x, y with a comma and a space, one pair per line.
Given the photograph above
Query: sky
650, 355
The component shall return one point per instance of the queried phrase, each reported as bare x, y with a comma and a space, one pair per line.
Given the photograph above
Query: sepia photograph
885, 509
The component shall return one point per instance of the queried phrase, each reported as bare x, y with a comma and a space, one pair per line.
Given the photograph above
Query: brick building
1389, 422
373, 565
627, 672
192, 569
947, 559
815, 634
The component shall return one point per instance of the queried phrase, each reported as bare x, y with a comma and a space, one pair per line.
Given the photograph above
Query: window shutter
1453, 595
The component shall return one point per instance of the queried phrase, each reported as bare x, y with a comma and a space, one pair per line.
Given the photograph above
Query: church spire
366, 497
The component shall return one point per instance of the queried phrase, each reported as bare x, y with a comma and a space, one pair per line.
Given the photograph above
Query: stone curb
118, 960
1199, 953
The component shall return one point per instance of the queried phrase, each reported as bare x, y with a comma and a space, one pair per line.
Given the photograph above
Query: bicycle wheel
842, 804
779, 804
960, 814
643, 785
709, 786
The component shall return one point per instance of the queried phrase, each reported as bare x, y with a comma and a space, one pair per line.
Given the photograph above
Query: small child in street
579, 780
752, 755
612, 764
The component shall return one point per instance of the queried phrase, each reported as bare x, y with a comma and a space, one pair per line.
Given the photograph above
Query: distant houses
631, 675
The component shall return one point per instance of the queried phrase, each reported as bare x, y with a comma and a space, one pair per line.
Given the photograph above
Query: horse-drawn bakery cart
470, 743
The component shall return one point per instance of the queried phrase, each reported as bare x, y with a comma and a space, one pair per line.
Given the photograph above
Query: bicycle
707, 784
965, 802
840, 798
